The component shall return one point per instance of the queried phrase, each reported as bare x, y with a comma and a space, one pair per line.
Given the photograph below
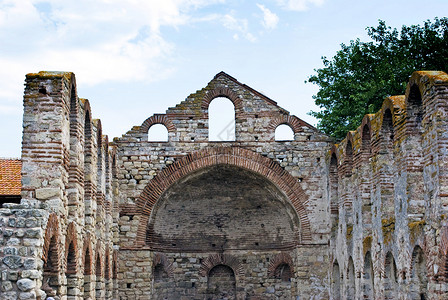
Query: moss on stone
367, 243
415, 230
388, 228
349, 232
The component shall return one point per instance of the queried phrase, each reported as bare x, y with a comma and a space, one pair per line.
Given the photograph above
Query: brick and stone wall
190, 199
249, 218
389, 230
65, 228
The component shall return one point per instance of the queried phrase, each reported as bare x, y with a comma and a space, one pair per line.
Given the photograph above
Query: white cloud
270, 19
299, 5
239, 25
100, 40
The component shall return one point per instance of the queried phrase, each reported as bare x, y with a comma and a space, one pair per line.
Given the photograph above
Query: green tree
358, 78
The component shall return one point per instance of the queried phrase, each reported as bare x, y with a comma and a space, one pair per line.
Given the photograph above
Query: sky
134, 58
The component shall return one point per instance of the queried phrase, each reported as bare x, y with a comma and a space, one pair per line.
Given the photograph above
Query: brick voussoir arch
224, 155
222, 92
221, 259
87, 249
277, 260
291, 121
71, 238
157, 119
51, 231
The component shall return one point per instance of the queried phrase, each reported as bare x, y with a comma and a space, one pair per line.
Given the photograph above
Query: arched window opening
283, 272
50, 282
284, 132
336, 282
350, 280
334, 205
390, 278
419, 275
158, 133
367, 284
415, 107
387, 133
221, 283
221, 119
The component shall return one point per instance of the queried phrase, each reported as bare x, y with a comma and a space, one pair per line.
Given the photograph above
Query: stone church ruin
251, 218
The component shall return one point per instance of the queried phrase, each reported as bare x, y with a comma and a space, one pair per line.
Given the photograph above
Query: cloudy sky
134, 58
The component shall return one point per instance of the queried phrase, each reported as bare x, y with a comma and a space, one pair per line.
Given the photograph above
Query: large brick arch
229, 156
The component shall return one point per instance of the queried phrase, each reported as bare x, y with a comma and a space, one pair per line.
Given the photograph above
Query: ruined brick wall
388, 197
251, 218
251, 199
61, 240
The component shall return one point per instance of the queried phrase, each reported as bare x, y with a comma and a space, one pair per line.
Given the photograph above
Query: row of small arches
221, 113
417, 279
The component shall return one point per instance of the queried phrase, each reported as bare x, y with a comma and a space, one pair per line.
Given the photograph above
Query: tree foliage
362, 74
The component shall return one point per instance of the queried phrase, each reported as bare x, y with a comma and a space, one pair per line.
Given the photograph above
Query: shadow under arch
233, 156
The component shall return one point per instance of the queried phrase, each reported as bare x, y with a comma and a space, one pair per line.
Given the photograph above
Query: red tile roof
10, 176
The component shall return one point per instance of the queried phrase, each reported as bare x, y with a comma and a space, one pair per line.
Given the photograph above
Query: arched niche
419, 275
350, 280
221, 283
390, 278
367, 278
221, 120
223, 207
336, 282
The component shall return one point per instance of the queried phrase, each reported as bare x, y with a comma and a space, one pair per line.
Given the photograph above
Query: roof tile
10, 176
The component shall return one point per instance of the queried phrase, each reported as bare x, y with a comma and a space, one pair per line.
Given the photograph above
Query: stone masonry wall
250, 218
61, 240
148, 171
389, 239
